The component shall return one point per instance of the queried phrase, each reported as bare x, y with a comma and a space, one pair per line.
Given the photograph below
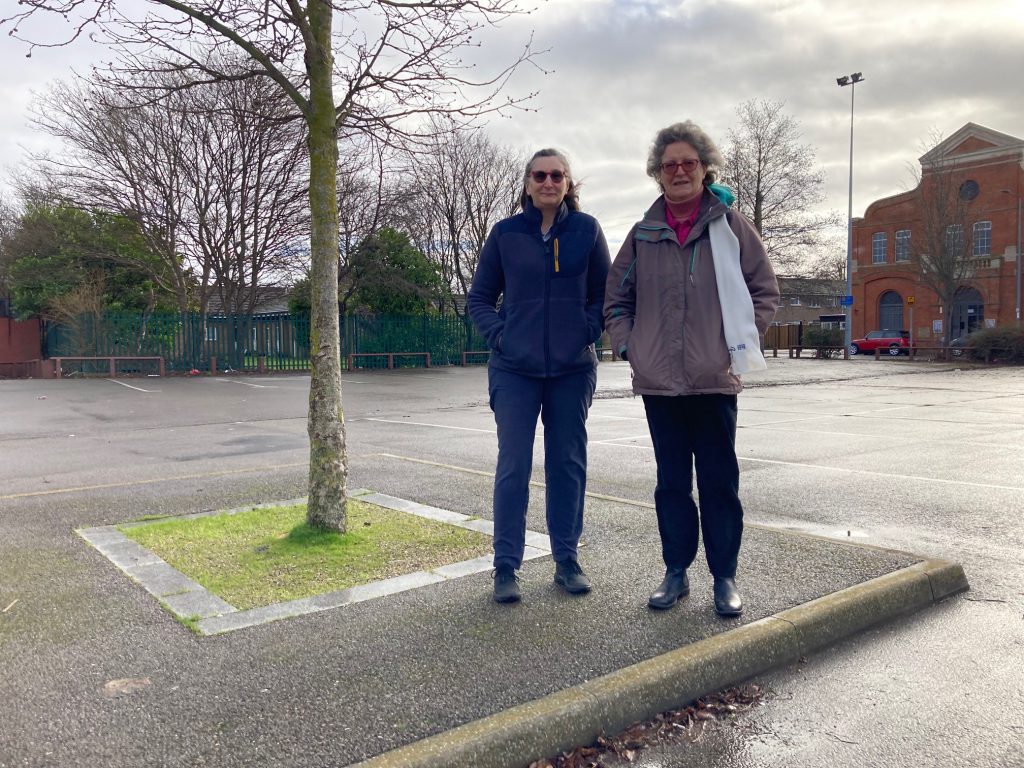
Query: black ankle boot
673, 586
727, 597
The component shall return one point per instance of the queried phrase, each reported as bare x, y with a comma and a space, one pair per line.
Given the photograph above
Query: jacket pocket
521, 340
649, 359
568, 335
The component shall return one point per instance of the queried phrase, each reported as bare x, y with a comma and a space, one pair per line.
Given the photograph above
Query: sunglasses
541, 176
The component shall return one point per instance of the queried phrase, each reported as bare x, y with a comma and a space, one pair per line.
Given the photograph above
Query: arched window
890, 311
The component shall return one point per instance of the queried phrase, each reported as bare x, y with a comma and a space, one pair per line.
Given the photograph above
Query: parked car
897, 342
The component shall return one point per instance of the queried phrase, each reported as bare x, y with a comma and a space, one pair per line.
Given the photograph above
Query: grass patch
270, 555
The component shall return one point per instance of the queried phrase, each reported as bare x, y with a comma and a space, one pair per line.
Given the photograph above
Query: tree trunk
328, 459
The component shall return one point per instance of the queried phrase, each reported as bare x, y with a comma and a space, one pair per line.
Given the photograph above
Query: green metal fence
273, 342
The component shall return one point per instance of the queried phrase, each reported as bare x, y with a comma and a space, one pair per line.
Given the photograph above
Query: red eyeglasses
541, 176
689, 165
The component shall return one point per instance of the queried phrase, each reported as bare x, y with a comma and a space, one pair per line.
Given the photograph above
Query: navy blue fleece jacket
552, 293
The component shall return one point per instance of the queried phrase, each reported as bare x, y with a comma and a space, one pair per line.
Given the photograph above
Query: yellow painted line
103, 486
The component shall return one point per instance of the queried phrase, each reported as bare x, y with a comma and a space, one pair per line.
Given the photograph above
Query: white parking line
246, 383
435, 426
618, 440
137, 389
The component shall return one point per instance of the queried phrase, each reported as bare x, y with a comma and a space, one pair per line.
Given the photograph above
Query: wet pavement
917, 457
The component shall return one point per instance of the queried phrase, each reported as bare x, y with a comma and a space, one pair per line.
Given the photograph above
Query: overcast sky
622, 69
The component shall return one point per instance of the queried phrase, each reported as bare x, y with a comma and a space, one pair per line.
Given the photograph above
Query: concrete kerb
578, 715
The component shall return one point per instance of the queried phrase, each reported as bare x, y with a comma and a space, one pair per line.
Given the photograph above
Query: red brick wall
19, 341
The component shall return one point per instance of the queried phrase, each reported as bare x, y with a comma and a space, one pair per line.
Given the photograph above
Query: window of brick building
879, 245
903, 245
982, 238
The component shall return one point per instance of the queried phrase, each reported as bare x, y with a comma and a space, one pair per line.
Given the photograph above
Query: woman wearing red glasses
688, 296
537, 299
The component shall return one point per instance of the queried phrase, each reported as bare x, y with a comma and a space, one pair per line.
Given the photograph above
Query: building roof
270, 299
971, 143
810, 286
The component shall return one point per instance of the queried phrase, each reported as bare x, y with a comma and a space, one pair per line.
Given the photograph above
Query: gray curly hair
693, 135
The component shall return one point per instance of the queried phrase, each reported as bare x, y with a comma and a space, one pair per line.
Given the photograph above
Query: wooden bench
465, 355
389, 355
112, 361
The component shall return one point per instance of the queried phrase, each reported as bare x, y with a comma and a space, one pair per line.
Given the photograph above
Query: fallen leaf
126, 685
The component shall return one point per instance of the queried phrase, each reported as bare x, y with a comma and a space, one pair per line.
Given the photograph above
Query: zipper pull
556, 254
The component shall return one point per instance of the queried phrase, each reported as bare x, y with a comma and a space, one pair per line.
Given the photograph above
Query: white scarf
737, 307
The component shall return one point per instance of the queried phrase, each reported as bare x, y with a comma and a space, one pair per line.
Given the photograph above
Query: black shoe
570, 577
727, 598
674, 586
506, 585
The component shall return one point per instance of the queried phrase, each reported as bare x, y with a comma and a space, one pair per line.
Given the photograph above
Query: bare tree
129, 162
466, 183
367, 201
248, 171
776, 183
941, 241
829, 259
389, 61
213, 175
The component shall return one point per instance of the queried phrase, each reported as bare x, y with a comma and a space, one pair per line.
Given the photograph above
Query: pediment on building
972, 142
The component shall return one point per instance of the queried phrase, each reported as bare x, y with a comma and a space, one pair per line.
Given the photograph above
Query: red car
897, 342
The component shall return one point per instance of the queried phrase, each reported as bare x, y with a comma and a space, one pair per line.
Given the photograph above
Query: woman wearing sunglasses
689, 295
537, 299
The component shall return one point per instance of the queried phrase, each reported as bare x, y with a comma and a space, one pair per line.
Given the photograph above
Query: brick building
808, 299
984, 171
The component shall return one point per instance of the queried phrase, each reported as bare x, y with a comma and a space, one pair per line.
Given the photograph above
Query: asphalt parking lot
923, 458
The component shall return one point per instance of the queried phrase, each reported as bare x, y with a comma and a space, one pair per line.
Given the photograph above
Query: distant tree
777, 185
389, 62
466, 183
392, 277
373, 191
942, 242
828, 262
214, 176
56, 250
8, 222
299, 297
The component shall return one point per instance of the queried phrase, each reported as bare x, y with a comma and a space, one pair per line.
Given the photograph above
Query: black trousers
697, 430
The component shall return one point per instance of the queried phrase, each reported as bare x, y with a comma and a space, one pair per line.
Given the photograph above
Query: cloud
619, 70
622, 70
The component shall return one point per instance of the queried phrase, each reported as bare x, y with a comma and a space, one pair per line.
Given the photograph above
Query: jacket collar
654, 226
533, 213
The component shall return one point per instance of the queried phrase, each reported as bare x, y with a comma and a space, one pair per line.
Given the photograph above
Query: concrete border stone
578, 715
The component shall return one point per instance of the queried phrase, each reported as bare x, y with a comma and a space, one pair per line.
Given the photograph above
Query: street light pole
851, 80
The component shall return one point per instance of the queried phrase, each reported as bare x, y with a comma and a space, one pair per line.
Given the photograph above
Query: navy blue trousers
697, 429
562, 402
